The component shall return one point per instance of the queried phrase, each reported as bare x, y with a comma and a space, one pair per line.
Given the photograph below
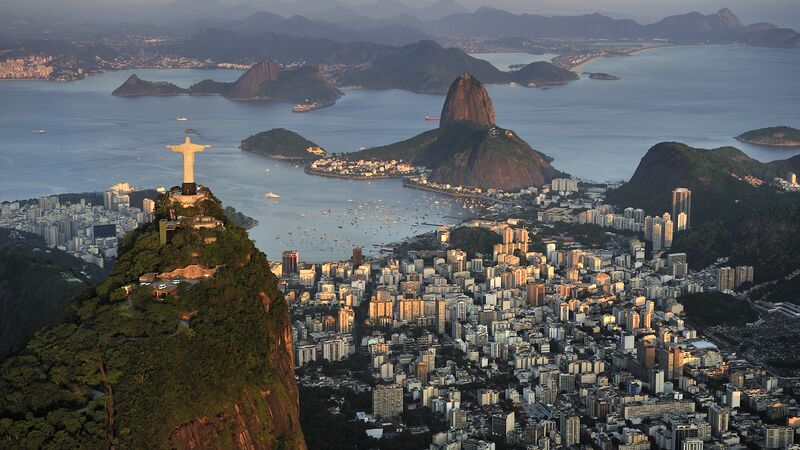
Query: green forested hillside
279, 143
765, 238
716, 178
474, 240
206, 367
36, 283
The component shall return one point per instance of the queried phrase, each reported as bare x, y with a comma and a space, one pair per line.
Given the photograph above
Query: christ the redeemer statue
188, 149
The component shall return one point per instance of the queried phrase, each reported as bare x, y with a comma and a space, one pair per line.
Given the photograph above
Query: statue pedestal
189, 189
186, 200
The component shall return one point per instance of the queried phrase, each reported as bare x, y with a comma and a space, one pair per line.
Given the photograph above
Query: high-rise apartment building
570, 430
358, 257
291, 261
387, 400
683, 432
682, 203
743, 274
534, 294
778, 437
719, 417
726, 279
441, 315
658, 237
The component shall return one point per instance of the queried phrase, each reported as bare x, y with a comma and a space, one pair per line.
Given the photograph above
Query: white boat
272, 195
39, 131
181, 118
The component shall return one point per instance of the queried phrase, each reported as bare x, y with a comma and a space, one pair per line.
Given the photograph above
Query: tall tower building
682, 221
726, 279
632, 320
682, 203
570, 430
658, 236
719, 416
534, 293
441, 315
668, 233
743, 275
648, 228
358, 257
291, 260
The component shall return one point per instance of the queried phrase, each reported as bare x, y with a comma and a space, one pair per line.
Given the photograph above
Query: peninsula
136, 87
263, 81
781, 136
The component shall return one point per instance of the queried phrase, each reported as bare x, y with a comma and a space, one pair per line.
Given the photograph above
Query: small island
280, 143
542, 73
601, 76
135, 86
781, 136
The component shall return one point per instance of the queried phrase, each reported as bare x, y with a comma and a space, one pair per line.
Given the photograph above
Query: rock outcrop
468, 149
467, 99
247, 87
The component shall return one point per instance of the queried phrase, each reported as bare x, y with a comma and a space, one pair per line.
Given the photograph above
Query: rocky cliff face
488, 158
468, 149
248, 85
468, 100
208, 366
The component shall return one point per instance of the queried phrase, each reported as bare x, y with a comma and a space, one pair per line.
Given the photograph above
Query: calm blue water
594, 129
503, 60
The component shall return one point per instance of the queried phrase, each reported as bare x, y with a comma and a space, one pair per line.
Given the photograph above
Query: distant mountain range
395, 23
486, 22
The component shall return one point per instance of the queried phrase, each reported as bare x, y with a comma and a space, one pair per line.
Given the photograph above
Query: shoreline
278, 157
443, 192
792, 146
350, 177
580, 67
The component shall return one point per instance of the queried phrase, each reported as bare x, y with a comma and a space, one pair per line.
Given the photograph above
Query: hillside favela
400, 224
